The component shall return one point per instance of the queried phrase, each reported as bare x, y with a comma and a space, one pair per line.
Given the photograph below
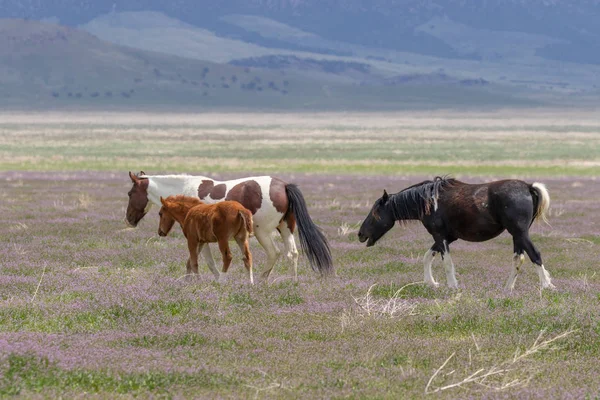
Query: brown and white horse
275, 205
208, 223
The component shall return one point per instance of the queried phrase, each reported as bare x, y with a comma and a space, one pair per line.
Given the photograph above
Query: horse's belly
268, 219
480, 233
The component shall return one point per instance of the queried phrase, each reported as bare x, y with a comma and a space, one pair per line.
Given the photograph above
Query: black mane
419, 199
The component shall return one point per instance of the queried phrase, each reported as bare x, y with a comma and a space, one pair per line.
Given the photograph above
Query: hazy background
299, 54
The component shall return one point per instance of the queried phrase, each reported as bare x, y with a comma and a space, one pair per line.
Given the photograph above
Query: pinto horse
208, 223
274, 204
451, 210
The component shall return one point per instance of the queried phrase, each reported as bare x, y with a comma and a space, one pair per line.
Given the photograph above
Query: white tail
543, 203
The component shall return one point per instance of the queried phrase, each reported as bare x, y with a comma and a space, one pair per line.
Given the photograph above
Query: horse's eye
160, 214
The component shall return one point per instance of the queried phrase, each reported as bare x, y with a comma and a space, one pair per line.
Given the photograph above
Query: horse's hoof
265, 275
549, 286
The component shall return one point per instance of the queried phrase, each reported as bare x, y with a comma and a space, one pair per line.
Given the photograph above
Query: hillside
46, 65
389, 24
53, 65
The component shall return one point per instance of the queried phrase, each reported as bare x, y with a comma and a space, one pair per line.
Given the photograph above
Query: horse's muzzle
361, 237
161, 233
364, 238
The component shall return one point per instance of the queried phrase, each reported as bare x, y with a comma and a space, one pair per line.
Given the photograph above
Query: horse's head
138, 199
378, 222
167, 220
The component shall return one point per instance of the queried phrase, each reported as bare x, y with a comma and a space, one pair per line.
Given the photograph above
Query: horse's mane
418, 199
172, 176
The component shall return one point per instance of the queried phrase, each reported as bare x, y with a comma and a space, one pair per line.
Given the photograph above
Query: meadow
91, 308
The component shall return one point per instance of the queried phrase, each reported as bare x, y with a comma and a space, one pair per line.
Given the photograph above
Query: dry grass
506, 374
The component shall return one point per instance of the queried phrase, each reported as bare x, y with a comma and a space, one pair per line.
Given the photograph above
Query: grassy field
91, 308
503, 144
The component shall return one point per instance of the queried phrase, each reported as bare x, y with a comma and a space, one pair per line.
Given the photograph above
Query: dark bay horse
275, 206
451, 210
208, 223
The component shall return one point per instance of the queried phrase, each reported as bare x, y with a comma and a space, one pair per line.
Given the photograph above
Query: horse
208, 223
452, 210
274, 204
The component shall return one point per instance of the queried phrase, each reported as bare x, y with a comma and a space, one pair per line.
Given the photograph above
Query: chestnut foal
208, 223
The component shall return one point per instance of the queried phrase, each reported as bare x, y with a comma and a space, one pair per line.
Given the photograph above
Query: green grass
113, 318
373, 147
32, 374
166, 342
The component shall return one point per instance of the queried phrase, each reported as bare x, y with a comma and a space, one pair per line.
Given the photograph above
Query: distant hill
53, 65
47, 65
389, 24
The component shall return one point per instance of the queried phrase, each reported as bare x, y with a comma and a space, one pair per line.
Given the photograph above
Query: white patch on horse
450, 272
545, 281
427, 262
449, 267
518, 260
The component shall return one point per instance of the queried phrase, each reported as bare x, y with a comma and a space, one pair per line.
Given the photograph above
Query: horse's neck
406, 205
180, 213
167, 185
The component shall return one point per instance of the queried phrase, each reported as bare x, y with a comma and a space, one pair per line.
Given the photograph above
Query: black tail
312, 240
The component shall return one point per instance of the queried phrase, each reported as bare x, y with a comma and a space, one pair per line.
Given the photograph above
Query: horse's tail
540, 193
312, 239
246, 216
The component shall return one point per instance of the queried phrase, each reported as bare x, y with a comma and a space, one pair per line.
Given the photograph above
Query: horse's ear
133, 178
385, 196
162, 201
142, 173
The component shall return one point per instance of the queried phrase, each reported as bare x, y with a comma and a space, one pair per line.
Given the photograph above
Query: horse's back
264, 196
478, 212
210, 222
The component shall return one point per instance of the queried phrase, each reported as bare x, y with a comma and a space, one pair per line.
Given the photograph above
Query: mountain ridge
50, 66
380, 23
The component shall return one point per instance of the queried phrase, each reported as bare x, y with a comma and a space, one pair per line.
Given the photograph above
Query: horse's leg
245, 248
207, 255
193, 260
449, 267
291, 252
536, 258
265, 240
210, 260
188, 267
224, 247
427, 262
518, 259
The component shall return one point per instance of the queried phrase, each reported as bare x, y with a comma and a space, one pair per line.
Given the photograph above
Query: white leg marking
427, 261
450, 273
272, 251
517, 262
545, 282
291, 252
210, 261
